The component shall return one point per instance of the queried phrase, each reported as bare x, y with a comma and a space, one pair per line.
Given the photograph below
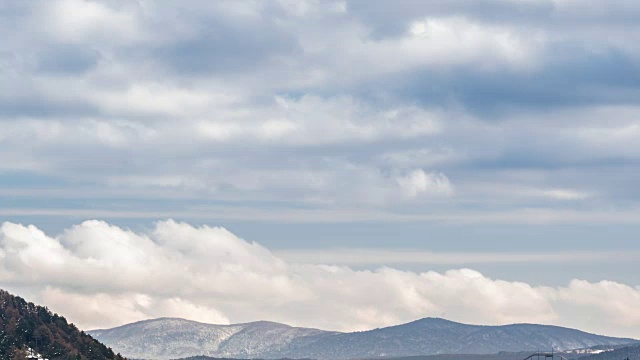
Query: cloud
457, 39
77, 21
99, 308
312, 120
421, 157
101, 275
418, 182
207, 117
364, 256
326, 104
563, 194
618, 306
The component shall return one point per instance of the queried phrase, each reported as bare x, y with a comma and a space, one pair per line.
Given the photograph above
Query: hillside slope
28, 328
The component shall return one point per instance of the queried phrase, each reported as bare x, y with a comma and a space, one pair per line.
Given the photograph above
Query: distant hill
498, 356
438, 336
26, 328
629, 352
177, 338
207, 358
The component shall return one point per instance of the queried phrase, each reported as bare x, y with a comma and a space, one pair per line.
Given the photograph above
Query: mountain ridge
186, 320
167, 338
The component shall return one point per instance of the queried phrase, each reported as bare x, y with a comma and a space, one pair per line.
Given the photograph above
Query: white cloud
81, 132
99, 308
86, 21
418, 182
189, 116
313, 120
159, 99
100, 275
618, 305
421, 157
614, 140
566, 194
457, 40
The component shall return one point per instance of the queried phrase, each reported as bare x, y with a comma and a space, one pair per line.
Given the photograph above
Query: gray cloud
486, 112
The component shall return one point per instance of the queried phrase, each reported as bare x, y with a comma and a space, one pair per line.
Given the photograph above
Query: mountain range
171, 338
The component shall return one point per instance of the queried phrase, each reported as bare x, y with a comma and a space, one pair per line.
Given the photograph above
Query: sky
343, 165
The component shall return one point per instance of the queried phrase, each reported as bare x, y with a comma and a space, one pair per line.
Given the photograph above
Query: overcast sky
343, 165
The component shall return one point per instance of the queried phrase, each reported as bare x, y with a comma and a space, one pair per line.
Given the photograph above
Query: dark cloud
217, 44
388, 19
67, 59
578, 77
38, 106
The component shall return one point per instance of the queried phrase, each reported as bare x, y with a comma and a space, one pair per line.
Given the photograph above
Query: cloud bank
100, 275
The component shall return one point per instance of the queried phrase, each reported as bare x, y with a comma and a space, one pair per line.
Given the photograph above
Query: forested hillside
25, 326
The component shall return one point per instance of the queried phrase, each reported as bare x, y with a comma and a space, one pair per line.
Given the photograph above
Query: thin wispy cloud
381, 257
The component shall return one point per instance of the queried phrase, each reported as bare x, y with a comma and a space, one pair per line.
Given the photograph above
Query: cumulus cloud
101, 275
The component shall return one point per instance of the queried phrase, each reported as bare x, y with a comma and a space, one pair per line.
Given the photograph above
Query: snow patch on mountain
171, 338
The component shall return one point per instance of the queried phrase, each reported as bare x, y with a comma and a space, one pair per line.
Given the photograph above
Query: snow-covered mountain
438, 336
176, 338
171, 338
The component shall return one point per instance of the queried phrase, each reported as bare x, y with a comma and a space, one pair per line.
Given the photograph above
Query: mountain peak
265, 323
437, 320
433, 322
152, 322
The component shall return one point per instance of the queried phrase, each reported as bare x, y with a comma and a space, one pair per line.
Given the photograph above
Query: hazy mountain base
500, 356
622, 353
